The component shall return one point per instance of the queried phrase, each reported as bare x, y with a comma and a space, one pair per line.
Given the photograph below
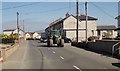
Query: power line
18, 6
52, 10
102, 10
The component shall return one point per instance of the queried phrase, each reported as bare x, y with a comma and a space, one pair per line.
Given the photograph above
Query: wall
104, 46
6, 52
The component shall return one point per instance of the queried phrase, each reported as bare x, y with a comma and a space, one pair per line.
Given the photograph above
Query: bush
92, 38
7, 39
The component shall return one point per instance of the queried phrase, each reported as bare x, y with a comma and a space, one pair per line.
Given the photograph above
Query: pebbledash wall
69, 26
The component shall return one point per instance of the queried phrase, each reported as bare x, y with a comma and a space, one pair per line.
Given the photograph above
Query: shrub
92, 38
7, 39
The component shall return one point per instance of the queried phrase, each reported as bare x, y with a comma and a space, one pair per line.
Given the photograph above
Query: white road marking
53, 51
62, 57
77, 68
48, 48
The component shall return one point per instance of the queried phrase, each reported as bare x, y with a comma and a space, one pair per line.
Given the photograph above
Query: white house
67, 27
36, 35
107, 31
32, 35
14, 31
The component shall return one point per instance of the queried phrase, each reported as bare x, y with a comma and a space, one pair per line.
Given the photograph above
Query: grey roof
9, 30
111, 27
83, 17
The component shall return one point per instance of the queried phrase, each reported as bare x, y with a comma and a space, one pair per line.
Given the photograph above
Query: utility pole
18, 25
77, 20
86, 9
23, 29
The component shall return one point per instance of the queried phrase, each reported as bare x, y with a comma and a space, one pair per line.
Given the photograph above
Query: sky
38, 15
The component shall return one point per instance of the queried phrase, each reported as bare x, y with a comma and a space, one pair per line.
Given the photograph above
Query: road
32, 54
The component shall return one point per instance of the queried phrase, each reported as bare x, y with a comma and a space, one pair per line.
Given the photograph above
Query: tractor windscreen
55, 32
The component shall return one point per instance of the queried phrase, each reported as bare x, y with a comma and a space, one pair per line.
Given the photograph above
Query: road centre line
53, 51
77, 68
62, 57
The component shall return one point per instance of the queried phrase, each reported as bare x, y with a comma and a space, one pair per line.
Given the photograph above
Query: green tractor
55, 39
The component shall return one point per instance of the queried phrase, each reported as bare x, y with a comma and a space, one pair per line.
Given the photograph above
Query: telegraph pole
18, 25
77, 20
86, 9
23, 29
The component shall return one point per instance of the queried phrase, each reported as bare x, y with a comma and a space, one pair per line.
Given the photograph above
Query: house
29, 35
106, 31
67, 27
32, 35
14, 31
36, 35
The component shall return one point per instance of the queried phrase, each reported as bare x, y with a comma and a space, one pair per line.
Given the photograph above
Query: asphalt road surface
32, 54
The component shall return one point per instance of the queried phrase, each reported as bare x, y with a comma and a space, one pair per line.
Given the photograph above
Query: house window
92, 32
99, 32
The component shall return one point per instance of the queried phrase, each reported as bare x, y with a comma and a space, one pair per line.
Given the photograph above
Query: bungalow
28, 35
14, 31
67, 27
36, 35
32, 35
106, 31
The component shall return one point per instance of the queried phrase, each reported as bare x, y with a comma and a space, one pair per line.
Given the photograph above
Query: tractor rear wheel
62, 42
50, 42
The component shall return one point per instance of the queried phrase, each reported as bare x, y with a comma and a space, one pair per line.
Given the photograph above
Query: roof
118, 17
29, 33
56, 21
83, 17
111, 27
9, 30
118, 29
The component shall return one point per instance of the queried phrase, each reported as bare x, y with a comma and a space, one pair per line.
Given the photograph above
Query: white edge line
77, 68
62, 57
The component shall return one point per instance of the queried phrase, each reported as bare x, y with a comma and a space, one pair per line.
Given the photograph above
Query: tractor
55, 39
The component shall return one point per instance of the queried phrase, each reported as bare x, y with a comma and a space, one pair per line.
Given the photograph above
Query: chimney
67, 14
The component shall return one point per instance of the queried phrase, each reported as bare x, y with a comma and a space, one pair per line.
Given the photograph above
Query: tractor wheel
62, 42
50, 42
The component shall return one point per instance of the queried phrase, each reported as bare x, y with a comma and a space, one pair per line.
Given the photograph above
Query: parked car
43, 39
67, 40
